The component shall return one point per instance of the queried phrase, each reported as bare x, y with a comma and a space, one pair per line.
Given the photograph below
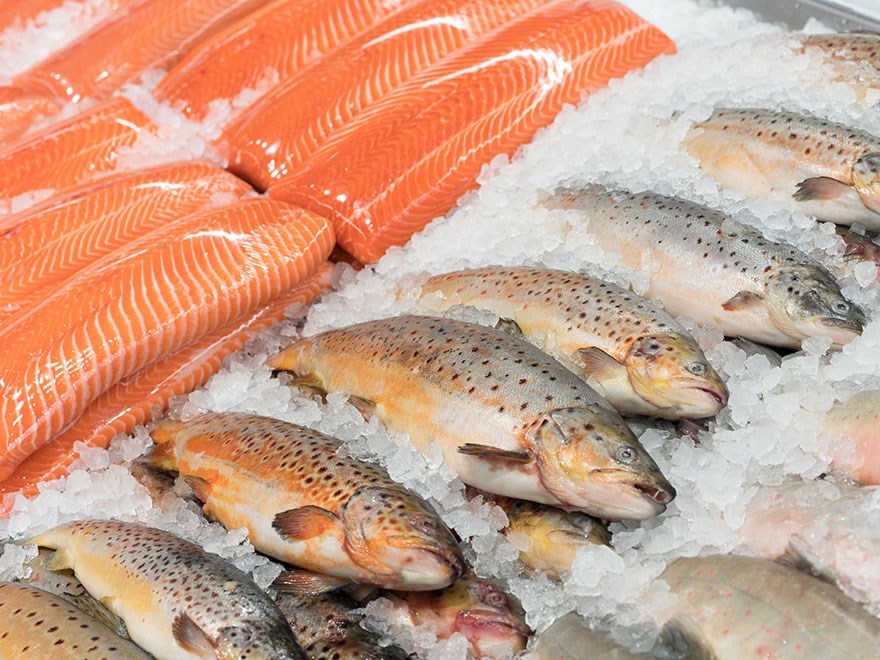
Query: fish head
670, 371
492, 621
806, 301
401, 539
589, 459
866, 180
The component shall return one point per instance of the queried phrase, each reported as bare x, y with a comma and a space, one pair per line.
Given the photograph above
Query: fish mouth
486, 619
655, 493
721, 399
449, 562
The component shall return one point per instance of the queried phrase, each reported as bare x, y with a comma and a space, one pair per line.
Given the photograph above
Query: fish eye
626, 454
840, 306
697, 368
429, 525
494, 599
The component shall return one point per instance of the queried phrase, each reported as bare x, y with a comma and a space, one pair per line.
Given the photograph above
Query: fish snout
426, 567
661, 495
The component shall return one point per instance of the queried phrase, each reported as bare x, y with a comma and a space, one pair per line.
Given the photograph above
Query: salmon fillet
73, 151
275, 135
55, 239
263, 44
411, 155
137, 399
152, 34
141, 303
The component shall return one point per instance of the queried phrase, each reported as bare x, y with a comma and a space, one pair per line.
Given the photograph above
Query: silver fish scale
212, 592
470, 359
683, 229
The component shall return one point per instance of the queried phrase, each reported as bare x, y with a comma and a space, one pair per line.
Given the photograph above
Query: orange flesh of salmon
18, 110
241, 56
53, 240
146, 35
411, 155
136, 399
274, 136
143, 302
73, 151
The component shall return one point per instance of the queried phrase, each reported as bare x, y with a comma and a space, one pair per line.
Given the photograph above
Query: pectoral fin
298, 581
364, 406
200, 487
742, 301
310, 383
192, 638
681, 637
488, 453
509, 326
304, 523
820, 188
599, 364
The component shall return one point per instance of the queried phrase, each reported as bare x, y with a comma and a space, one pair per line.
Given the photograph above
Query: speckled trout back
510, 419
304, 501
177, 600
822, 168
626, 347
853, 56
707, 266
38, 625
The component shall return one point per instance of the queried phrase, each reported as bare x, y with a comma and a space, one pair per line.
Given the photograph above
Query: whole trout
819, 167
509, 419
305, 502
714, 269
628, 348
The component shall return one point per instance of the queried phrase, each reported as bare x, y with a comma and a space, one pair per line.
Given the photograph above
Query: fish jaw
866, 179
589, 459
490, 635
670, 372
424, 569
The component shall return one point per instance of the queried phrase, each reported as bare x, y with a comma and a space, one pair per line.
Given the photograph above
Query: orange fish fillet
146, 35
72, 151
281, 38
19, 108
137, 399
141, 303
55, 239
276, 134
410, 156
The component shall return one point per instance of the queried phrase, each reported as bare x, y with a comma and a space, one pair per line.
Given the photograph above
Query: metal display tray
795, 13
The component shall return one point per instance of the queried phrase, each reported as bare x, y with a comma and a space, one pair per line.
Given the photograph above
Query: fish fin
820, 187
61, 560
361, 592
298, 581
364, 406
798, 558
682, 639
509, 327
742, 301
598, 363
155, 479
304, 523
95, 608
191, 637
309, 382
201, 488
162, 455
494, 453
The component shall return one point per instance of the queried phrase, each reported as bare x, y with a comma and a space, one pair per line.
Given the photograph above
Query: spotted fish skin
177, 600
328, 629
713, 269
509, 419
855, 56
628, 348
36, 625
308, 504
822, 168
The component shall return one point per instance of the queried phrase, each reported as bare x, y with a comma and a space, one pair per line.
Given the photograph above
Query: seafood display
639, 421
509, 419
821, 168
630, 350
306, 505
714, 269
175, 598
